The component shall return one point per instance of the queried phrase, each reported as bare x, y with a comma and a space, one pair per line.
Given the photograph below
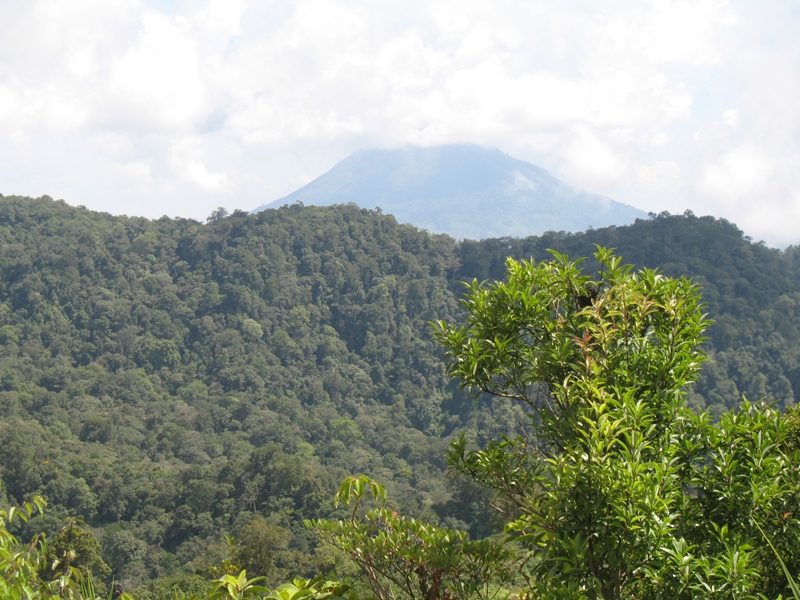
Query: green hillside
166, 380
752, 293
170, 382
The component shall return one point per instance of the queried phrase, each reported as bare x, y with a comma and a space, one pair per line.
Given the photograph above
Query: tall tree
600, 486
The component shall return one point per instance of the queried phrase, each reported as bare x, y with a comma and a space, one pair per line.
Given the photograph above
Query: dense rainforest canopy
170, 382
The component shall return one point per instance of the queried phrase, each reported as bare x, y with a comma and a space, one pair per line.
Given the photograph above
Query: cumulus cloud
743, 171
669, 104
155, 83
186, 158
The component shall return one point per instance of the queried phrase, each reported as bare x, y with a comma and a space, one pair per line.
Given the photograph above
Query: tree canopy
615, 488
168, 383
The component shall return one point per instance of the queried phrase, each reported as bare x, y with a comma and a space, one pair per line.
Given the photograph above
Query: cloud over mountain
163, 106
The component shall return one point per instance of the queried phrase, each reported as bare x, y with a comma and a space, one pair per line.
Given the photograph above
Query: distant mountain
465, 190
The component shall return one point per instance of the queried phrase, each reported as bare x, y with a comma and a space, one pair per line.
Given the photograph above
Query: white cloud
668, 104
9, 105
660, 176
675, 32
590, 161
743, 171
135, 176
82, 62
731, 117
156, 82
186, 157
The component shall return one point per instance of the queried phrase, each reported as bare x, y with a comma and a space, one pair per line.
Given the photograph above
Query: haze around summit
464, 190
174, 107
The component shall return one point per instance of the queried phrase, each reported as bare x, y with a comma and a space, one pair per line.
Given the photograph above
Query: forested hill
166, 381
171, 382
752, 293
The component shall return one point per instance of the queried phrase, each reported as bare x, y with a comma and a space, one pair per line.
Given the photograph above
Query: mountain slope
466, 191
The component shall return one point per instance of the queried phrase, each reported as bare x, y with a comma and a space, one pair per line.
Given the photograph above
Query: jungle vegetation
167, 383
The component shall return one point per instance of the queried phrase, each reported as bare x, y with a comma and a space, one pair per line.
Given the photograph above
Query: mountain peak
465, 190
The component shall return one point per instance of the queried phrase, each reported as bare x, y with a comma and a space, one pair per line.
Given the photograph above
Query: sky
171, 107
